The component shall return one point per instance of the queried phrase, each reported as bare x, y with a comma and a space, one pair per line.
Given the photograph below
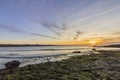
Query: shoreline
94, 66
32, 60
42, 59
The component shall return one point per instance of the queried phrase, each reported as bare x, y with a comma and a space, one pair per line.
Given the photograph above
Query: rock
76, 51
94, 49
12, 64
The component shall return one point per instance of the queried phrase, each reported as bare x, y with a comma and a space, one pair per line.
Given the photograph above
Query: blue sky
50, 21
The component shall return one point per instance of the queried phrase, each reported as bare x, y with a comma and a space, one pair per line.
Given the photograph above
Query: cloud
94, 16
110, 39
55, 28
17, 30
78, 33
12, 29
116, 32
41, 35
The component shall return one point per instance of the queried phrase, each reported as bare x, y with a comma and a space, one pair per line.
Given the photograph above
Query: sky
79, 22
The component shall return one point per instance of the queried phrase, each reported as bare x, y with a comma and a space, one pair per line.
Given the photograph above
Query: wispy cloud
116, 32
78, 33
82, 20
17, 30
10, 28
55, 28
41, 35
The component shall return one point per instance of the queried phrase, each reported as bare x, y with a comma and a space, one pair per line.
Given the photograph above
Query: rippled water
39, 54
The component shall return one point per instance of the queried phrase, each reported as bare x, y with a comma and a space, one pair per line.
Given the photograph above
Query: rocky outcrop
94, 49
12, 64
76, 51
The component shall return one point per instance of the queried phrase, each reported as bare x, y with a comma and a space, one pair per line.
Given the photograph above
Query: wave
47, 49
15, 56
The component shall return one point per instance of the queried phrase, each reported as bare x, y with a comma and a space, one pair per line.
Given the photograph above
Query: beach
40, 54
100, 65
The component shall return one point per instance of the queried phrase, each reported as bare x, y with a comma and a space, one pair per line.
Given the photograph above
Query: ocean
40, 54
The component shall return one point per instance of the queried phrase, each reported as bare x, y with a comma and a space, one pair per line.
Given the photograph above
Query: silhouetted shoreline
114, 45
22, 45
31, 45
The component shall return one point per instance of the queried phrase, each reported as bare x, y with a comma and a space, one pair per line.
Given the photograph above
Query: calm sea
38, 54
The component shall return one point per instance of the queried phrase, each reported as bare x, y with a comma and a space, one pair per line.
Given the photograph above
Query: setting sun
94, 42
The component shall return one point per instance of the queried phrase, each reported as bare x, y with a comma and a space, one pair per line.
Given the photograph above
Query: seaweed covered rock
12, 64
76, 51
94, 49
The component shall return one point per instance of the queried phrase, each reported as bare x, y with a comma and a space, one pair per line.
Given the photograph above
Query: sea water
40, 54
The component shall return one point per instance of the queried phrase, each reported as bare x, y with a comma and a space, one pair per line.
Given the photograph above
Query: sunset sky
59, 22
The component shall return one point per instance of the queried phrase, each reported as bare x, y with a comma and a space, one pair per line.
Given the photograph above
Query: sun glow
94, 42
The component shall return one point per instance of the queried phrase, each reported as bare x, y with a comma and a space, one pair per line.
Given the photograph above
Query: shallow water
40, 54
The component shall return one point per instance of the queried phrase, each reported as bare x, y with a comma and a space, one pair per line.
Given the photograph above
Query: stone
12, 64
76, 51
94, 49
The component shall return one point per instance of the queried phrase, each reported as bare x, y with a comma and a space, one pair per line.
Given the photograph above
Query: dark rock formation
94, 49
12, 64
76, 51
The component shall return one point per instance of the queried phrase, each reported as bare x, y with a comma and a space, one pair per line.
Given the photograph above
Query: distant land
26, 45
23, 45
113, 45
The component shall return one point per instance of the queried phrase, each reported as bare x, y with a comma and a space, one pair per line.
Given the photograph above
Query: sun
93, 42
